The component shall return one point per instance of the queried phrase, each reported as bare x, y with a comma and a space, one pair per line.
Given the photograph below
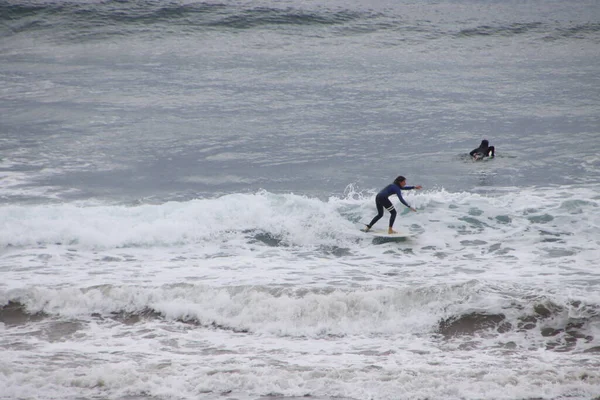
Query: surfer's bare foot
366, 229
390, 231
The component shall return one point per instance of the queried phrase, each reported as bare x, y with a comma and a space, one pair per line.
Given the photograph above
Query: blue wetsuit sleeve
399, 193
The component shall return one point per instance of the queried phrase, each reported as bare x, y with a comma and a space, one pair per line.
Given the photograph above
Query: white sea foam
300, 219
547, 231
264, 294
169, 359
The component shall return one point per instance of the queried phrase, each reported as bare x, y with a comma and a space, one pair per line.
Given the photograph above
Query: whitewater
287, 290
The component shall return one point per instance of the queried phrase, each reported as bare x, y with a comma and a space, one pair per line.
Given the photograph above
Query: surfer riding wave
382, 201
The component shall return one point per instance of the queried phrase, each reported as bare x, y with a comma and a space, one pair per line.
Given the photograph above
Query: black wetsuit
382, 201
484, 150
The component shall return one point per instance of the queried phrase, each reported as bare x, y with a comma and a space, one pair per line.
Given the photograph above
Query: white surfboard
383, 233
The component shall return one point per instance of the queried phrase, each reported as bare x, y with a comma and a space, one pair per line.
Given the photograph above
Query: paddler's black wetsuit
484, 150
382, 200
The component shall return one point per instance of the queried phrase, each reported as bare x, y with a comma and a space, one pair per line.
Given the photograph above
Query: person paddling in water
484, 150
382, 201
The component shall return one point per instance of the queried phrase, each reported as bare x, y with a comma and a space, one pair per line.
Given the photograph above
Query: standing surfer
382, 201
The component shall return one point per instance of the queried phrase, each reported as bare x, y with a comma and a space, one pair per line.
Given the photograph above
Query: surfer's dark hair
399, 179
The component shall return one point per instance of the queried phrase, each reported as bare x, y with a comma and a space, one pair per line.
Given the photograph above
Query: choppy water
182, 184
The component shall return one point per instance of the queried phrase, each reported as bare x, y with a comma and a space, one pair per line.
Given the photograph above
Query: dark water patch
595, 349
100, 20
475, 211
509, 345
61, 331
472, 221
563, 333
212, 325
581, 31
473, 242
577, 206
300, 292
110, 259
552, 237
499, 250
503, 219
540, 219
558, 253
15, 313
500, 30
148, 314
468, 270
552, 240
470, 324
546, 310
16, 17
264, 16
566, 339
44, 257
266, 238
374, 353
473, 225
384, 240
336, 251
129, 318
554, 323
116, 11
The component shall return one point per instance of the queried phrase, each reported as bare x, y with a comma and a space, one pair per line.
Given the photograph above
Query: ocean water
182, 185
